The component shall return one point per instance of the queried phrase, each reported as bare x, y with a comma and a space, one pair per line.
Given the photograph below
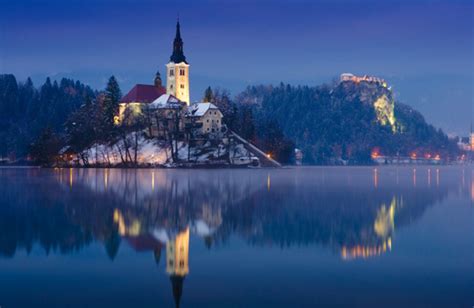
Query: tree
246, 123
271, 139
26, 111
45, 149
112, 96
81, 129
208, 95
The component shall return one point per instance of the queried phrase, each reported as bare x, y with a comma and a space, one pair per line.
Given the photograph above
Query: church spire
178, 55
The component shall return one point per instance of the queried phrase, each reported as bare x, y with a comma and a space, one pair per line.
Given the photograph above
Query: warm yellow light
375, 153
153, 180
177, 254
106, 178
376, 178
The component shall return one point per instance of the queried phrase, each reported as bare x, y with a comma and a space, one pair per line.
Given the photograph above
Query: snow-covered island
156, 126
138, 149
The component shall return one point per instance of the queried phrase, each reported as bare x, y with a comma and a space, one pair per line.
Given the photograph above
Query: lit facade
207, 115
177, 254
366, 78
177, 71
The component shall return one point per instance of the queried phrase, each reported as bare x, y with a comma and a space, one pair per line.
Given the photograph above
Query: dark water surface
304, 237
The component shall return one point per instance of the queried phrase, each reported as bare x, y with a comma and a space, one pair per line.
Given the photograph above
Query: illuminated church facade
177, 84
172, 97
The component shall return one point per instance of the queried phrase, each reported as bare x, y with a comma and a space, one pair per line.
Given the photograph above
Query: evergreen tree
26, 111
46, 148
208, 95
112, 97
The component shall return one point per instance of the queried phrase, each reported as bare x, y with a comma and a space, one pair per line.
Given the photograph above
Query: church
175, 93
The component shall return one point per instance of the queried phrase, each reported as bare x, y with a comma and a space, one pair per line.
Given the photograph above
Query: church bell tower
177, 70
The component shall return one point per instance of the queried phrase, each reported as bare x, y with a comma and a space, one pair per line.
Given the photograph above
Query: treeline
26, 112
329, 123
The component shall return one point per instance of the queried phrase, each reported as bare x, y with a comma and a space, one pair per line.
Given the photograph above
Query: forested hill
26, 111
329, 123
345, 121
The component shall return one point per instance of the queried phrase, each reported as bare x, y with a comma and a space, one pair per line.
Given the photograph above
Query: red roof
143, 93
144, 242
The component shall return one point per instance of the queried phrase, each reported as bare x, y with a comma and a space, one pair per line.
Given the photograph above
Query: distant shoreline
227, 166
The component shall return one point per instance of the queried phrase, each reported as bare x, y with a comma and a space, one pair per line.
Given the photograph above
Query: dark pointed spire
177, 284
178, 55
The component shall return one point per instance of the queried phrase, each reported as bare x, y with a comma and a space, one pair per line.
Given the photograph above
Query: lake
296, 237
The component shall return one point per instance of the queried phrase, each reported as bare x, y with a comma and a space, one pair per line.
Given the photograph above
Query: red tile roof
143, 93
144, 242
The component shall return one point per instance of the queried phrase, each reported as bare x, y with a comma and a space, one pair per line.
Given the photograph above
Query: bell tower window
171, 72
182, 72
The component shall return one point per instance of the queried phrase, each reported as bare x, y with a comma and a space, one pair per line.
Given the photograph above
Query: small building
207, 117
298, 157
166, 115
66, 156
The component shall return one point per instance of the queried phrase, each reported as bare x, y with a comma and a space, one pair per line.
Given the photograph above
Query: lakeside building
133, 103
206, 116
172, 100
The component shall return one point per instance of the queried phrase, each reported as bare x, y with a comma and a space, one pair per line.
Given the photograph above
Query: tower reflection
177, 254
160, 211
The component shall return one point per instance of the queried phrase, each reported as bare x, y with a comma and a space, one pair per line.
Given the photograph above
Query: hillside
332, 124
25, 111
346, 121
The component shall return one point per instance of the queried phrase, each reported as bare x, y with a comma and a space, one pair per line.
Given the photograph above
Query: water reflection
304, 208
156, 211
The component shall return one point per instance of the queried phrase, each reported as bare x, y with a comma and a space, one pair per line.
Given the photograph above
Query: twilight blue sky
423, 48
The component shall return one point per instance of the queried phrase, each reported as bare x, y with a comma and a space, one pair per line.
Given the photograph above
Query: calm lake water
302, 237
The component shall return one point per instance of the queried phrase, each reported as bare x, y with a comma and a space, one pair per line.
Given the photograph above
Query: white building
207, 115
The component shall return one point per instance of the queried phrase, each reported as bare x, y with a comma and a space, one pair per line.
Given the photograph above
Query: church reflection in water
177, 248
354, 215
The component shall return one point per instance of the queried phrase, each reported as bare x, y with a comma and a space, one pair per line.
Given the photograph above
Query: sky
423, 48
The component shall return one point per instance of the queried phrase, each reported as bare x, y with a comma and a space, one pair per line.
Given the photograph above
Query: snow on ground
151, 152
148, 153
